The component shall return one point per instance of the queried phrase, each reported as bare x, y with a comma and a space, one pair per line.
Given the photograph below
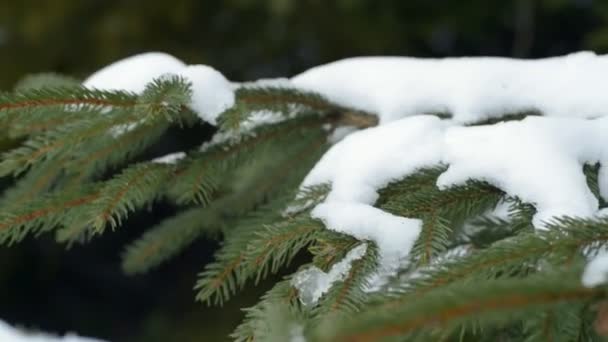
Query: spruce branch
288, 101
488, 302
135, 187
168, 238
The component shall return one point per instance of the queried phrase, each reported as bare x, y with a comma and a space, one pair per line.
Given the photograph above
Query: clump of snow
362, 163
171, 158
312, 283
470, 88
368, 160
394, 235
212, 93
10, 334
539, 159
132, 74
596, 271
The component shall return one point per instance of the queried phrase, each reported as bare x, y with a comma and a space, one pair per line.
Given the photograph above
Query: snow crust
10, 334
470, 88
212, 93
312, 283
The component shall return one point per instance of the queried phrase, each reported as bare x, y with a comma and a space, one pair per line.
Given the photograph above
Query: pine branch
134, 188
489, 302
254, 255
201, 174
161, 103
257, 326
43, 214
507, 257
169, 238
289, 102
349, 296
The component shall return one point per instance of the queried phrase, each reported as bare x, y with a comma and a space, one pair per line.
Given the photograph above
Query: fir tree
78, 174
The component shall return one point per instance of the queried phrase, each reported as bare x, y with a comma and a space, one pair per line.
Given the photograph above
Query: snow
470, 88
212, 93
539, 159
394, 235
171, 158
312, 283
596, 271
368, 160
132, 74
10, 334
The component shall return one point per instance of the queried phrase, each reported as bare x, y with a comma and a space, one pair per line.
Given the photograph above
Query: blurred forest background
45, 286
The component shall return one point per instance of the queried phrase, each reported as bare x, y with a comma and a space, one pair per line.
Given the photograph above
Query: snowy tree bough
436, 198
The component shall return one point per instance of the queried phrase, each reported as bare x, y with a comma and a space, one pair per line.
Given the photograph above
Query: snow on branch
539, 159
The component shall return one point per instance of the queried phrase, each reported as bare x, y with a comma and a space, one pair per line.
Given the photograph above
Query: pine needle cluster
74, 156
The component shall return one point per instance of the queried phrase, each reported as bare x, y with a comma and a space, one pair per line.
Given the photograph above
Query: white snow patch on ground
10, 334
312, 283
212, 93
471, 88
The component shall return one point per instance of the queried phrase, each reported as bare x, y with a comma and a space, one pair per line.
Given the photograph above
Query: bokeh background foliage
45, 286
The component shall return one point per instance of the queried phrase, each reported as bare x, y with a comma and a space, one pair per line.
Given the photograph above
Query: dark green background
43, 286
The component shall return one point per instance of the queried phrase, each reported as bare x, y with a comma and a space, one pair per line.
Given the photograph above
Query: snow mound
470, 88
212, 93
132, 74
10, 334
540, 160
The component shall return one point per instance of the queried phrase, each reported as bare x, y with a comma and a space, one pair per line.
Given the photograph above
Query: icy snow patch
312, 283
212, 93
470, 88
10, 334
